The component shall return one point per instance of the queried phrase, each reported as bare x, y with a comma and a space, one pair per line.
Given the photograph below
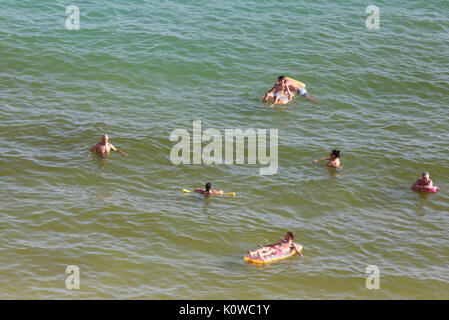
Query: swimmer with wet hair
334, 160
208, 189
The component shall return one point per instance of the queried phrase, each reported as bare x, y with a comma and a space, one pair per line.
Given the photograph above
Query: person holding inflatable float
334, 160
425, 184
284, 90
208, 190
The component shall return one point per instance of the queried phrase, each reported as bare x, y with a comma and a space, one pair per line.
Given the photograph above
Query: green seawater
137, 70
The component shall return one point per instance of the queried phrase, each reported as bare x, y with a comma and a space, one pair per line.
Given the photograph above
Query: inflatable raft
272, 258
301, 84
433, 189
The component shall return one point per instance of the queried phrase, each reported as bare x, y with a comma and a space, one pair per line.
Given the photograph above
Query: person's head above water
335, 154
104, 138
281, 78
208, 186
289, 235
425, 176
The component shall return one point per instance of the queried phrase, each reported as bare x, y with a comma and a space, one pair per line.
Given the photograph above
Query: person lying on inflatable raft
284, 90
425, 184
279, 248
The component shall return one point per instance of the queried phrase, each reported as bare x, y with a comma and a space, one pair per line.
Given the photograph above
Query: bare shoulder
95, 146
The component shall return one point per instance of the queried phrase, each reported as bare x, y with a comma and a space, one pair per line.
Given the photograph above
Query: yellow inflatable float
299, 83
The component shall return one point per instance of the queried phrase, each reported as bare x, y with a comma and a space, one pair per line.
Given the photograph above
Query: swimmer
285, 96
292, 86
334, 160
278, 87
208, 190
424, 183
279, 92
104, 147
296, 88
280, 248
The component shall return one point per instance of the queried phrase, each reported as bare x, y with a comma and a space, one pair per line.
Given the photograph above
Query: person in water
334, 160
284, 97
279, 248
424, 183
104, 147
293, 88
277, 87
208, 189
278, 91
